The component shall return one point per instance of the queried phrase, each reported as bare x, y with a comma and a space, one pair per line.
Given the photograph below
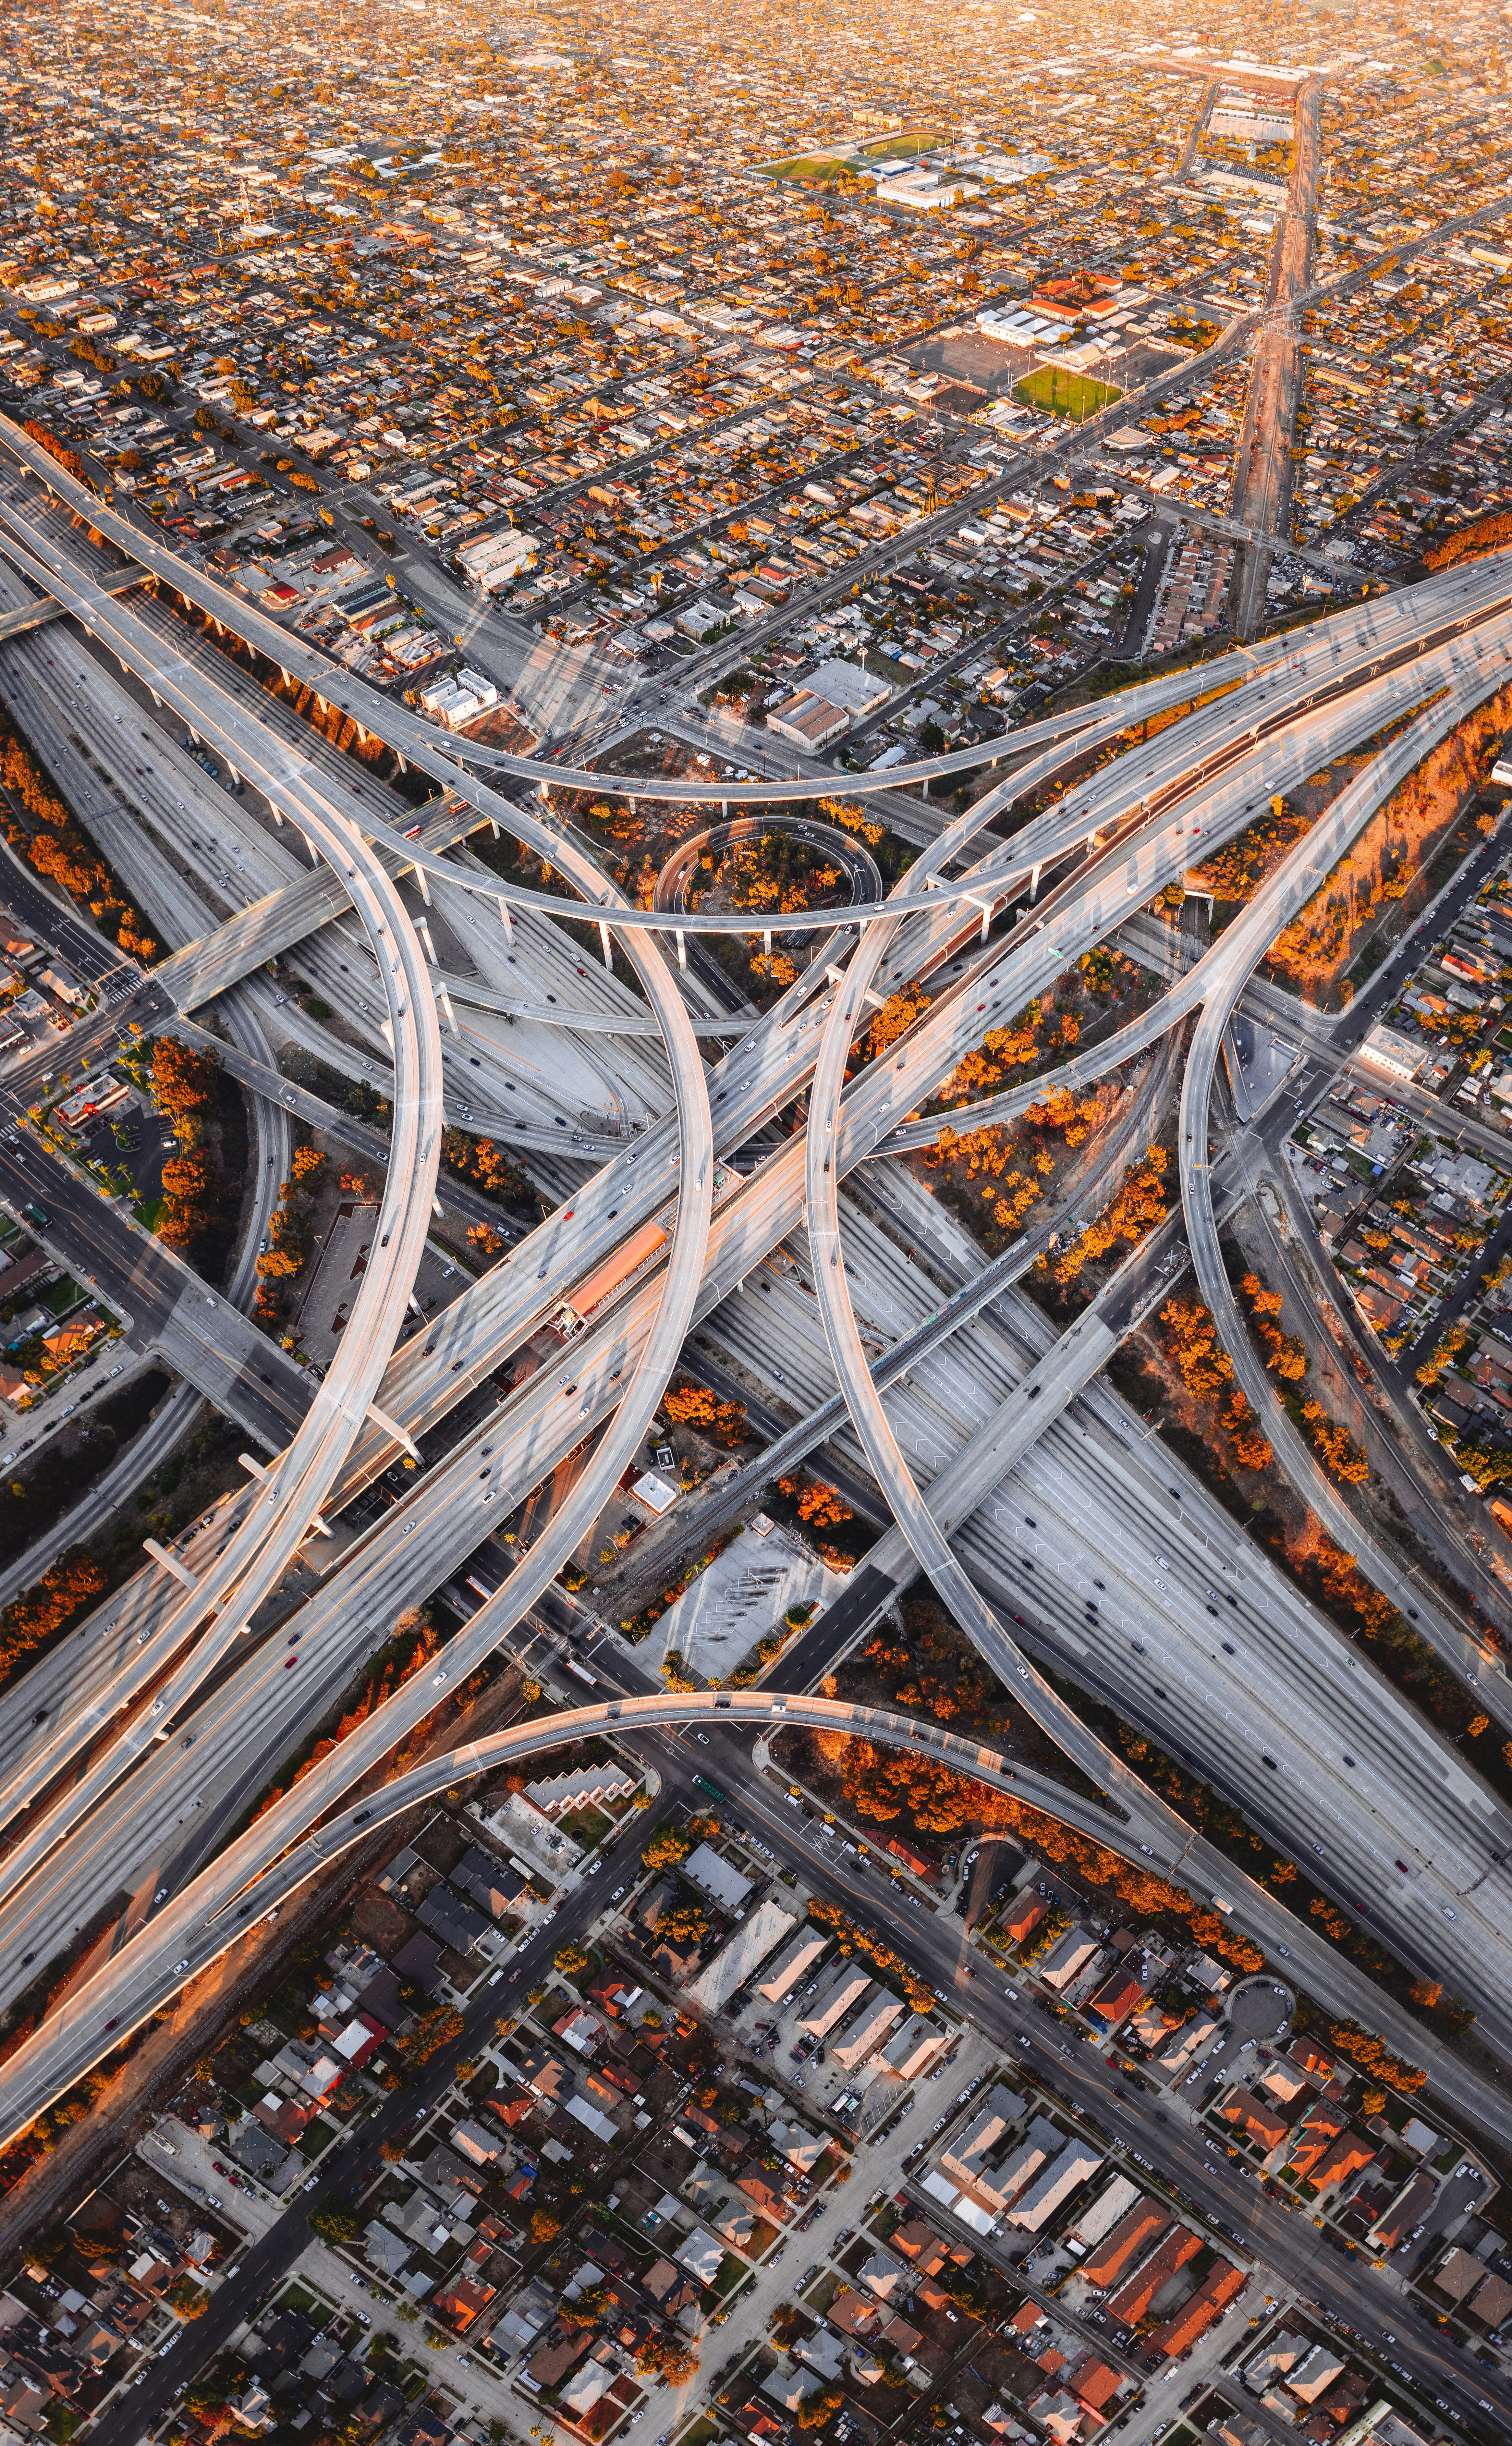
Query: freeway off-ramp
1191, 789
1310, 752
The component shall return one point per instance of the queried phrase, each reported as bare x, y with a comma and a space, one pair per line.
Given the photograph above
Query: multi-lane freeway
171, 1721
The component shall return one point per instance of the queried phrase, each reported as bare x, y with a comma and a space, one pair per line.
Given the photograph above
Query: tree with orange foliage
183, 1078
774, 968
1288, 1356
1204, 1363
1337, 1450
1138, 1204
896, 1017
189, 1200
818, 1504
1375, 2056
694, 1405
1060, 1111
1252, 1450
45, 1608
481, 1159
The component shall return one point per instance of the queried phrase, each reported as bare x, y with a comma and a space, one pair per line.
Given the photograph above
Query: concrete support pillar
170, 1563
391, 1427
260, 1471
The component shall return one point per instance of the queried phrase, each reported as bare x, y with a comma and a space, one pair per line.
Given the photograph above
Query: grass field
810, 169
829, 169
904, 145
1064, 394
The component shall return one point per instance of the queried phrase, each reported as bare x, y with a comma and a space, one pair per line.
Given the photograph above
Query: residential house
1251, 2116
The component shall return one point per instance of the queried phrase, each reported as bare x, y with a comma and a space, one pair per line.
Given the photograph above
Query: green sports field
1064, 394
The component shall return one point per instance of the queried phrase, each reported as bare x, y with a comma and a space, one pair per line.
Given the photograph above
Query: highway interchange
157, 1726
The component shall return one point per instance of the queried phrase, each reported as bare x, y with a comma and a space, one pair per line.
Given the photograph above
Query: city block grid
435, 399
628, 2155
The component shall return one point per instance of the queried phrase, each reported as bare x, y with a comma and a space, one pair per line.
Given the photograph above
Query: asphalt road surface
169, 1308
1200, 2178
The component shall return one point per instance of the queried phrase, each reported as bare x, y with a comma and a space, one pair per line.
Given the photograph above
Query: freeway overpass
1306, 705
252, 1877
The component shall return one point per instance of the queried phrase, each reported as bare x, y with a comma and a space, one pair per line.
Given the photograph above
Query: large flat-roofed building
554, 1795
791, 1966
832, 697
845, 1990
1246, 122
1065, 2174
1113, 2201
807, 719
867, 2032
734, 1962
921, 190
915, 2045
718, 1879
1387, 1048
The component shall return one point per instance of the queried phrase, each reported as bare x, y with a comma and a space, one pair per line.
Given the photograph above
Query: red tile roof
1174, 2251
1195, 2316
1134, 2233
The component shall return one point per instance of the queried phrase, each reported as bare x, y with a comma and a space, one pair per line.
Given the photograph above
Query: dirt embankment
1391, 861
